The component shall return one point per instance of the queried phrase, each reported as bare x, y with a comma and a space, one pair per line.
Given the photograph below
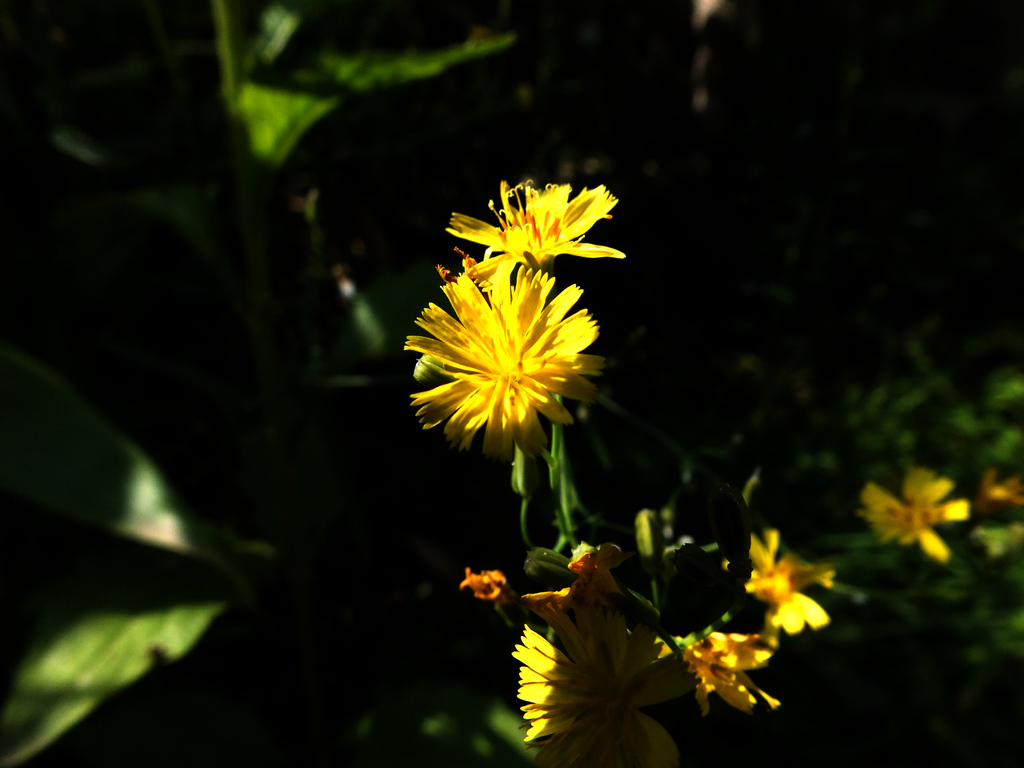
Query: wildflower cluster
594, 652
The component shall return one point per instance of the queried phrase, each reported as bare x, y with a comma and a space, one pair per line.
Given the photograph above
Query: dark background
821, 207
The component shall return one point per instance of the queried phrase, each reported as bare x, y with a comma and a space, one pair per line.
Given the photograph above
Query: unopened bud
698, 566
635, 606
730, 524
549, 568
430, 372
650, 542
668, 565
524, 474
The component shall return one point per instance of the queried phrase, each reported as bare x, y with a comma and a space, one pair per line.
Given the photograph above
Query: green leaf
74, 143
276, 118
443, 725
384, 315
277, 115
363, 72
103, 234
58, 452
103, 627
278, 23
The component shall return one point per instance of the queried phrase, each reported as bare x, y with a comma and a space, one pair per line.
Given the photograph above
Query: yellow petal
812, 612
933, 545
473, 230
955, 510
791, 616
922, 487
877, 499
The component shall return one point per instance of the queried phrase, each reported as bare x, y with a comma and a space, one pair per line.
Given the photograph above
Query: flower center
914, 517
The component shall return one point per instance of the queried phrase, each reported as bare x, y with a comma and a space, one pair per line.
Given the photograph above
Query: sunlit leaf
364, 72
276, 118
58, 452
101, 629
277, 115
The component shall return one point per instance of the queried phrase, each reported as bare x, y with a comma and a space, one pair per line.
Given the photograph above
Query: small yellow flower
489, 585
781, 584
537, 225
998, 497
583, 704
592, 587
913, 518
509, 353
719, 660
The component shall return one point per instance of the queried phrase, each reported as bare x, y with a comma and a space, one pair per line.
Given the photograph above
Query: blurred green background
225, 538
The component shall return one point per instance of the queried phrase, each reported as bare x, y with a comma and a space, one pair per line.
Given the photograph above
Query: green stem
674, 645
556, 468
163, 46
227, 18
522, 522
231, 43
721, 621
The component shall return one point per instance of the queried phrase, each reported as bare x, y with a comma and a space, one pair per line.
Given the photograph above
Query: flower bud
524, 474
730, 524
668, 565
549, 568
430, 372
635, 606
698, 566
650, 541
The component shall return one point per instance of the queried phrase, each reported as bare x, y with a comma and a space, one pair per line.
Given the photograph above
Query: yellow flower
510, 352
592, 587
537, 225
583, 704
489, 585
912, 519
719, 660
996, 497
781, 584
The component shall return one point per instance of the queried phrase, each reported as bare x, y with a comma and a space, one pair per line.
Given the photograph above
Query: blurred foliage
208, 282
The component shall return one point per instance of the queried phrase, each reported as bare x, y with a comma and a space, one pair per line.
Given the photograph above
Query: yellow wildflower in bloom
583, 704
781, 584
593, 585
510, 352
913, 518
719, 661
489, 585
537, 225
998, 497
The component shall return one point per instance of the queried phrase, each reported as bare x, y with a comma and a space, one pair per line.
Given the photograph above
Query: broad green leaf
364, 72
102, 628
276, 116
58, 452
